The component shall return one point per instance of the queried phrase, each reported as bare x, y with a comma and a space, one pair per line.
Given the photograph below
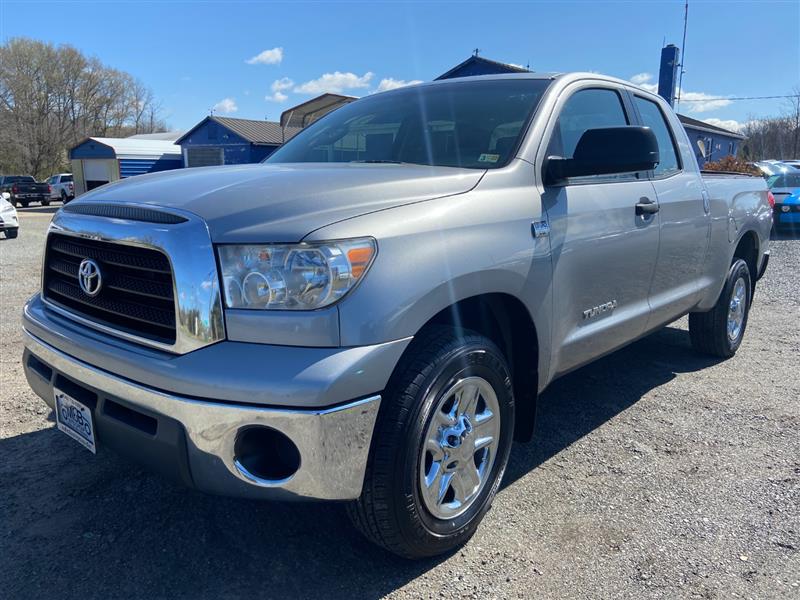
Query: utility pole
683, 50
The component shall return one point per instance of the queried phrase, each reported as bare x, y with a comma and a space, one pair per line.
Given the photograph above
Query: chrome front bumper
333, 443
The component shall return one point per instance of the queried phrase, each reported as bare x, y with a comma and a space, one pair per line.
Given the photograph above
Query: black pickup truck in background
24, 189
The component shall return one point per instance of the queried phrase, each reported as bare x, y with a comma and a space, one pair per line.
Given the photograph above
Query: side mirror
6, 196
606, 151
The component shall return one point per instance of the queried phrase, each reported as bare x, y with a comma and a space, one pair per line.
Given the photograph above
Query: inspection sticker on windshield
492, 158
75, 419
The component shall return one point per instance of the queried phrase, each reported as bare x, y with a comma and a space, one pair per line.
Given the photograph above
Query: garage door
204, 157
97, 172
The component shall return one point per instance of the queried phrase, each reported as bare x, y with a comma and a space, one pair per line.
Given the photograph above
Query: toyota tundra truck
370, 315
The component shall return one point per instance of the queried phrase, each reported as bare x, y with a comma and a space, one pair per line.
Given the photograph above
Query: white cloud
698, 102
335, 83
693, 102
267, 57
226, 105
392, 84
643, 80
278, 87
731, 124
276, 97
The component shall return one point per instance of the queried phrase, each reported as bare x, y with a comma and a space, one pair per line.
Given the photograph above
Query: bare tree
793, 119
51, 97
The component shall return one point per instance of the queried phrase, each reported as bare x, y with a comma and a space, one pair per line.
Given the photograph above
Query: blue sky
194, 55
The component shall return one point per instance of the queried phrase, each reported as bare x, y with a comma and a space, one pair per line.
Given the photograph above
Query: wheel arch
506, 321
747, 248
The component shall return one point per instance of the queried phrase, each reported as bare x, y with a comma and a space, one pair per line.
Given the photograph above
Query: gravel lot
656, 473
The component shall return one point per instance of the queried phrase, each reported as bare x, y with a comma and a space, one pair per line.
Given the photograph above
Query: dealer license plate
75, 419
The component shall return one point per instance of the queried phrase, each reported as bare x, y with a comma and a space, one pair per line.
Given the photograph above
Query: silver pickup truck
370, 315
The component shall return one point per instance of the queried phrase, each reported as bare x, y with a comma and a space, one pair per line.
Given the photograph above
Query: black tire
64, 197
390, 511
23, 203
11, 233
45, 202
708, 331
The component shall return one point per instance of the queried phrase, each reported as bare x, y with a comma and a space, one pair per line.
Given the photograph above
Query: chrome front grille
135, 296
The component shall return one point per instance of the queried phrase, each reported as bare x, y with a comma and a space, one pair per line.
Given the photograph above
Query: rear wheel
719, 332
23, 203
64, 197
440, 446
45, 202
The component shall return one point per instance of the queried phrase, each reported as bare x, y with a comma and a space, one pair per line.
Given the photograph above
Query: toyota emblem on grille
89, 277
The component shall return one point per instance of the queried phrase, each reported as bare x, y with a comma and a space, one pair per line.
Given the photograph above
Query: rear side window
66, 178
653, 118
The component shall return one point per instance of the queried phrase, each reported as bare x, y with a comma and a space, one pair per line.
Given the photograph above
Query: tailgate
32, 188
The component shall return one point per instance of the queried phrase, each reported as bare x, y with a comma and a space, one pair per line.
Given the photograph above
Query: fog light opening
265, 456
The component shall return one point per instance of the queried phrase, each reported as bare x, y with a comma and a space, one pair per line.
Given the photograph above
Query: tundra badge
598, 310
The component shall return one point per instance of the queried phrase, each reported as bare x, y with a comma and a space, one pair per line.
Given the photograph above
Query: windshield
784, 180
474, 124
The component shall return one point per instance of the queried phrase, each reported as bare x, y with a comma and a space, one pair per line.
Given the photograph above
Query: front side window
586, 109
653, 118
474, 125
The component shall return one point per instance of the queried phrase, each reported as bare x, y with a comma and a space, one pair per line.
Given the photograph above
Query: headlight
293, 276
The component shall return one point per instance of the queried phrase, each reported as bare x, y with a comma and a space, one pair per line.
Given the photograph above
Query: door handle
645, 206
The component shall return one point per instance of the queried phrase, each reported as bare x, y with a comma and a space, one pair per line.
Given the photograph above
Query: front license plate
75, 419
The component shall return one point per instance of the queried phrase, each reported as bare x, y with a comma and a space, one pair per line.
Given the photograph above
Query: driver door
603, 252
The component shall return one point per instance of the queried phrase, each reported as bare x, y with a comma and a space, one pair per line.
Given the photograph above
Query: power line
739, 98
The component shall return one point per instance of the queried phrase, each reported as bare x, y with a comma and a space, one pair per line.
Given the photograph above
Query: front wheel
440, 446
11, 233
719, 332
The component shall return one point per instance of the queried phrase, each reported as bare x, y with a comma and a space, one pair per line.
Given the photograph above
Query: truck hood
285, 202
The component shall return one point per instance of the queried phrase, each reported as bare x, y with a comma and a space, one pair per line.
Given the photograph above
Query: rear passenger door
684, 220
603, 253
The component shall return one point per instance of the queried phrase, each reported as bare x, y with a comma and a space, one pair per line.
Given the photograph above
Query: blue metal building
228, 141
709, 142
97, 160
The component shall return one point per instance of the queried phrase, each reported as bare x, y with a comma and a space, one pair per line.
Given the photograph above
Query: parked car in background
774, 167
371, 315
24, 189
9, 223
62, 187
784, 186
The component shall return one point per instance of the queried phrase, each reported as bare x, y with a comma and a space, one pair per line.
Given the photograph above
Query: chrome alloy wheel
736, 309
459, 447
